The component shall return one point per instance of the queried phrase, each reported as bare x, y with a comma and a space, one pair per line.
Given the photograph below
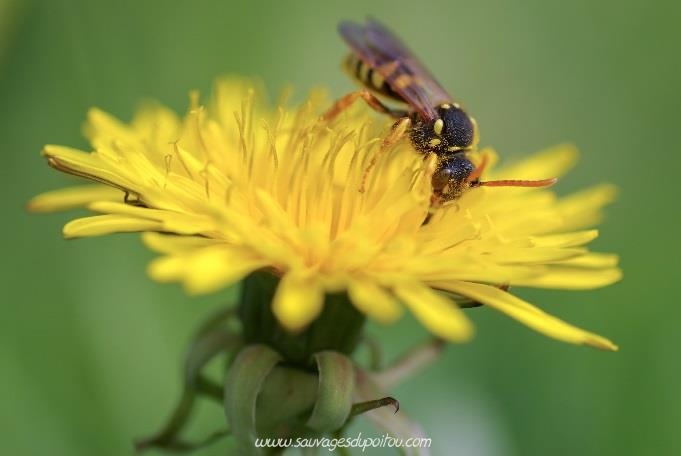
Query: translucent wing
379, 48
382, 37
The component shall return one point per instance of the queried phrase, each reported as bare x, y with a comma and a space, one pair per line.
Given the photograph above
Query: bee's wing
384, 52
391, 45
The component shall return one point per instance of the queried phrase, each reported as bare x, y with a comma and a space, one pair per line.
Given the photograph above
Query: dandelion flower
239, 187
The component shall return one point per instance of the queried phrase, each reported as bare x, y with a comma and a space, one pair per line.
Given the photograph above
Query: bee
435, 123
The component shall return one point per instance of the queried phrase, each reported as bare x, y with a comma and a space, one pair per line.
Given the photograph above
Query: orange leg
398, 130
374, 103
474, 177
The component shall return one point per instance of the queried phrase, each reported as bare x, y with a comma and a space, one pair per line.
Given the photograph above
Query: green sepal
204, 348
287, 396
336, 389
243, 384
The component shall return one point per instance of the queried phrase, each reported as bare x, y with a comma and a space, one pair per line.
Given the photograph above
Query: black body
383, 64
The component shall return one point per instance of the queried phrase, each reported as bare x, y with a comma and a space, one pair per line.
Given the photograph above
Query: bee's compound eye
449, 179
456, 167
441, 178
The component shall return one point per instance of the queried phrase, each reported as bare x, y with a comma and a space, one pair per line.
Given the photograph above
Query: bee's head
450, 178
451, 132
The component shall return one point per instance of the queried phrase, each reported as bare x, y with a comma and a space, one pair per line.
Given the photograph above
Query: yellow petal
169, 268
567, 278
297, 301
583, 208
437, 313
103, 124
167, 243
371, 299
83, 164
529, 315
155, 121
534, 255
573, 239
206, 270
593, 260
171, 221
552, 162
216, 267
121, 208
73, 197
108, 224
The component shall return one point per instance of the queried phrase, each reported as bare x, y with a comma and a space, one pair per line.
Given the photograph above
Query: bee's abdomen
369, 77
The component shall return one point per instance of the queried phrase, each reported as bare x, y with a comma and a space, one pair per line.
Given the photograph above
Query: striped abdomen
369, 77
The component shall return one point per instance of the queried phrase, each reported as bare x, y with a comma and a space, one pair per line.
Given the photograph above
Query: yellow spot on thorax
437, 126
434, 142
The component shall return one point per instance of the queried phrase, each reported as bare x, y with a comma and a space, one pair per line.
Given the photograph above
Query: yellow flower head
239, 187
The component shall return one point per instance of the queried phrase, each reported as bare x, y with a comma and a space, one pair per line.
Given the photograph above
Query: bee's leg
346, 101
397, 132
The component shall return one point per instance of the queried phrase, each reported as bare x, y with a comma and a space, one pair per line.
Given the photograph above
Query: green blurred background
91, 348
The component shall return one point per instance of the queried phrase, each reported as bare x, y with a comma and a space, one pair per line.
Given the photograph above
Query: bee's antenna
517, 183
477, 172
